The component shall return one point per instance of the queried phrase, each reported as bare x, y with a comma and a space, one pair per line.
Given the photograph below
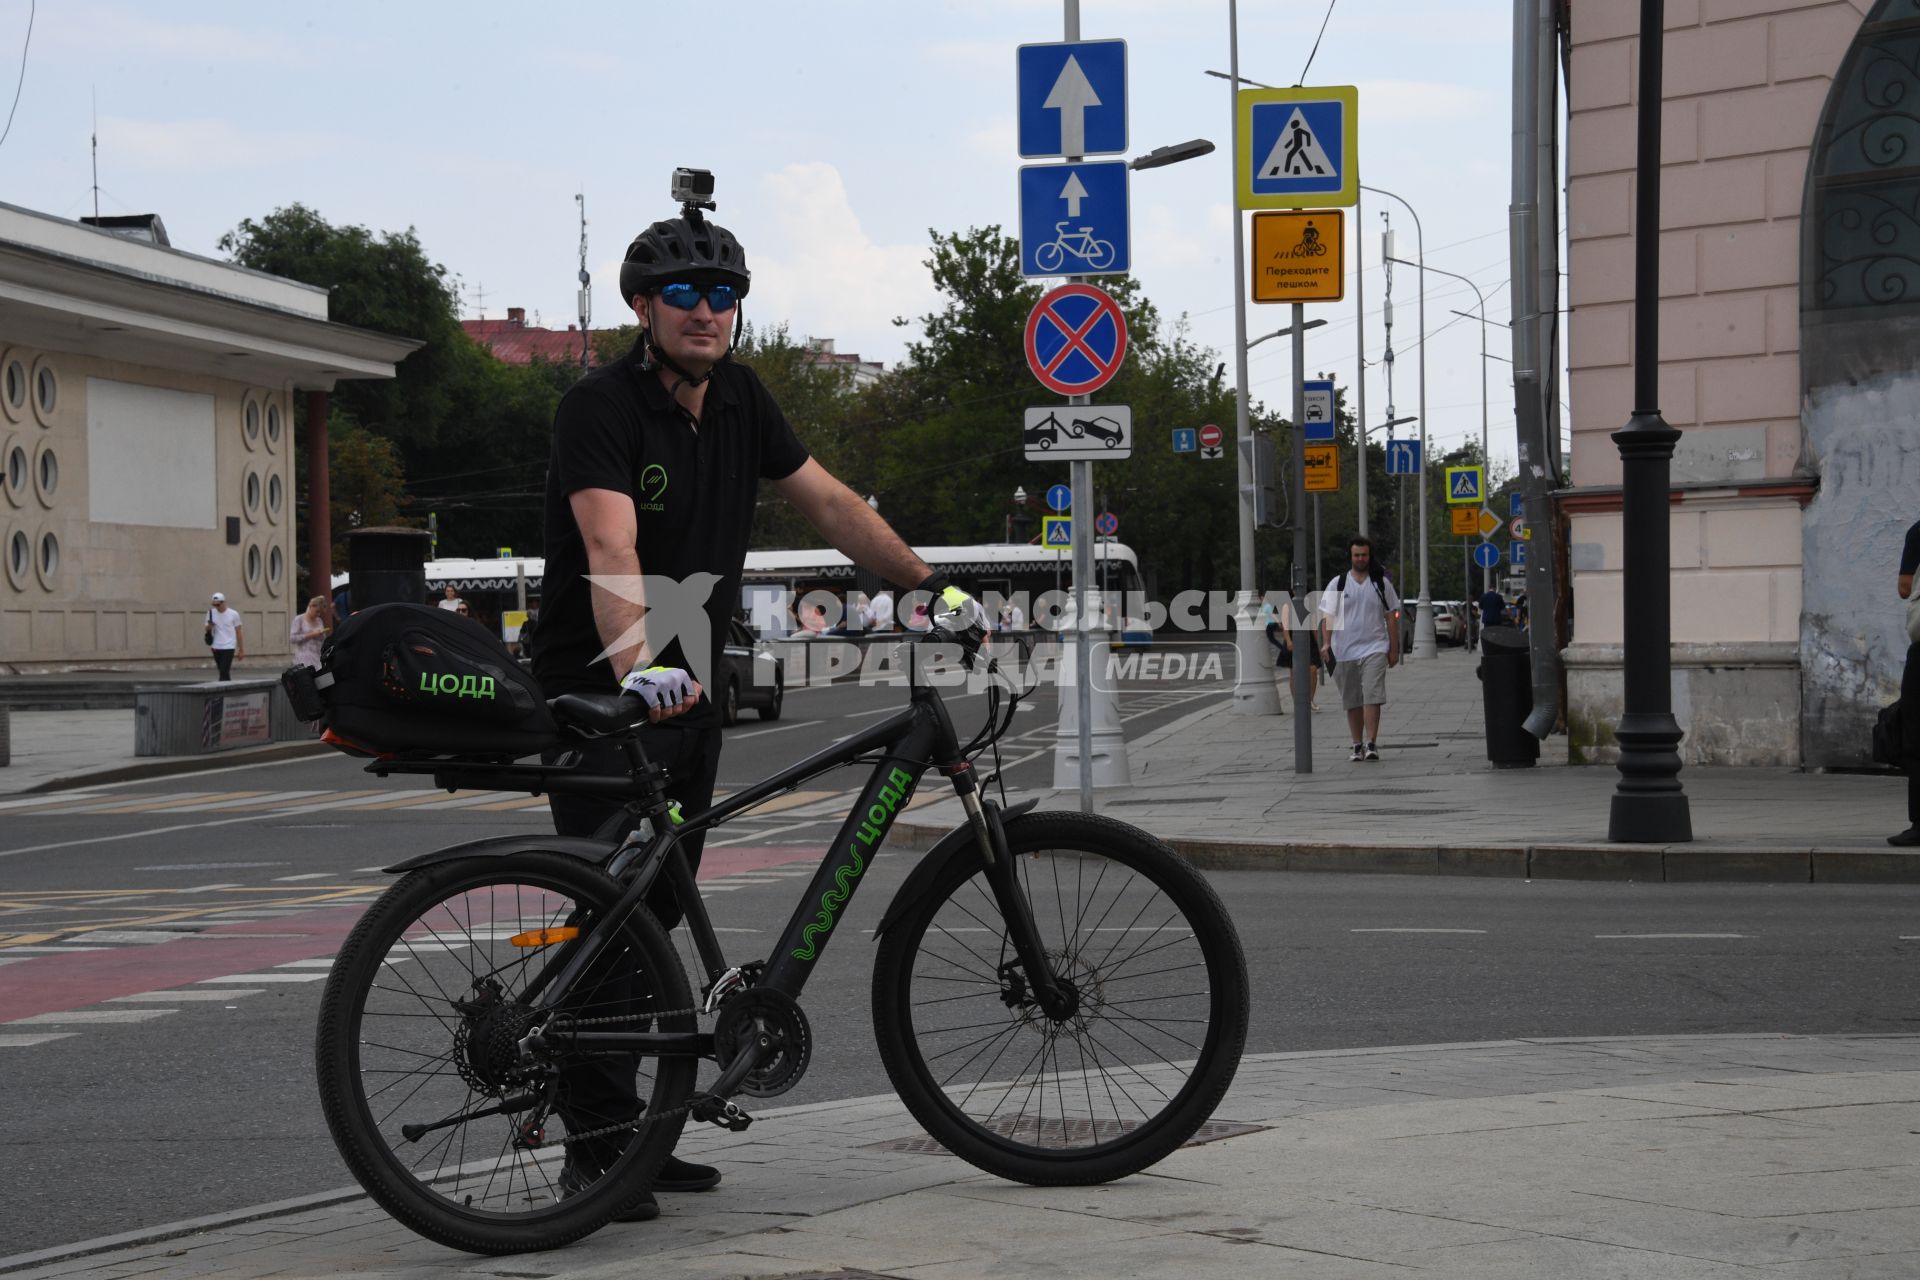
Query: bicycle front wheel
1159, 992
441, 1109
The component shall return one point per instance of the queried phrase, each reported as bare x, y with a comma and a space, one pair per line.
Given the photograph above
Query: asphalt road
132, 1105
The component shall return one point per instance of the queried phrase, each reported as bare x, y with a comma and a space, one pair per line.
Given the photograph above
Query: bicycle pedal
719, 1111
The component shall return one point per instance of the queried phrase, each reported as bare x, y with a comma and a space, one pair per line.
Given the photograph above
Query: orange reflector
544, 937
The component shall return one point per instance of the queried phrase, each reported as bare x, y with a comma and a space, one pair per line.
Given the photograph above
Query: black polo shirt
693, 493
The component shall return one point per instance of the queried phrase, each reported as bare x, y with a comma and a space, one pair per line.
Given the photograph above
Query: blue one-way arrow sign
1073, 98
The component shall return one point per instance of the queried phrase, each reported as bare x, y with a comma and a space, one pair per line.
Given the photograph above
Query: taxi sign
1488, 523
1466, 521
1299, 256
1323, 468
1463, 485
1297, 148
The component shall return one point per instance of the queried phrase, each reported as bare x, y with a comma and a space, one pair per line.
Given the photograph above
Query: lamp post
1649, 804
1424, 643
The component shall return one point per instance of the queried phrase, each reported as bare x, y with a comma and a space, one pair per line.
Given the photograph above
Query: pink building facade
1790, 359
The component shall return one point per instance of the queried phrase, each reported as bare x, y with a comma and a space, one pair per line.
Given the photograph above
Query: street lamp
1282, 333
1191, 150
1424, 643
1649, 804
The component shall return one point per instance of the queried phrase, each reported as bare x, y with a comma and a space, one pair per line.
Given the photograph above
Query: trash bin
1506, 688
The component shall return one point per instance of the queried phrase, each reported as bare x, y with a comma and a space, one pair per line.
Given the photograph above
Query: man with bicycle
651, 486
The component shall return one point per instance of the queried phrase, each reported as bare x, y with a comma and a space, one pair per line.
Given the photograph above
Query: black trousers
223, 659
1910, 730
604, 1091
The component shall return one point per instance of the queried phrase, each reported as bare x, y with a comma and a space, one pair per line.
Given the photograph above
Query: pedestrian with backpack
1361, 634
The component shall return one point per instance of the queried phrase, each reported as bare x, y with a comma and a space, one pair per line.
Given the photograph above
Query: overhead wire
21, 82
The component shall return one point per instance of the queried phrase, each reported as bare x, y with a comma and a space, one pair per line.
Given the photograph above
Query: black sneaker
1373, 751
683, 1175
575, 1178
1907, 838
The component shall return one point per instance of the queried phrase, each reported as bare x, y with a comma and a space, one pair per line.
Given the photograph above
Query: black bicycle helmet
681, 247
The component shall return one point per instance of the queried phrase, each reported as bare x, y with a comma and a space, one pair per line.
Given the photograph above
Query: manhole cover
1077, 1131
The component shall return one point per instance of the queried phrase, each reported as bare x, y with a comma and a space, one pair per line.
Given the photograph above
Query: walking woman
309, 632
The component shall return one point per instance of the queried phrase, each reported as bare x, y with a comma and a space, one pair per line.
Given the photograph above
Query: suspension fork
991, 834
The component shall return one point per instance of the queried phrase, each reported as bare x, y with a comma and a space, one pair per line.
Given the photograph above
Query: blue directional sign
1298, 147
1073, 98
1516, 505
1074, 219
1059, 497
1486, 555
1319, 415
1186, 440
1403, 457
1518, 554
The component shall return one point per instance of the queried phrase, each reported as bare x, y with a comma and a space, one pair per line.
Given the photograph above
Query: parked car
1449, 623
750, 676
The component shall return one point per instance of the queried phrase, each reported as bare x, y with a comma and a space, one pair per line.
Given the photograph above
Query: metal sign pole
1080, 479
1302, 641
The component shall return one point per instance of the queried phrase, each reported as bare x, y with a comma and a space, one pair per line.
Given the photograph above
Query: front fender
957, 843
581, 847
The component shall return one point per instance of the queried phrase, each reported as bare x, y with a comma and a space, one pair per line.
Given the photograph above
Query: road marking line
398, 800
524, 802
1673, 935
50, 951
1416, 931
63, 797
306, 875
779, 728
25, 1041
164, 997
323, 962
254, 800
132, 935
91, 1015
758, 837
792, 800
157, 804
265, 977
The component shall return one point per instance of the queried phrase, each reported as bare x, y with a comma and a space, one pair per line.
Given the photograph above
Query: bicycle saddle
598, 714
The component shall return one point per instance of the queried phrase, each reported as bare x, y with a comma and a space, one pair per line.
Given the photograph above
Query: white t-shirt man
226, 627
882, 616
1357, 617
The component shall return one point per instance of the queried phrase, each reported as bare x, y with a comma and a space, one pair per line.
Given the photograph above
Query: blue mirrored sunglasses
720, 297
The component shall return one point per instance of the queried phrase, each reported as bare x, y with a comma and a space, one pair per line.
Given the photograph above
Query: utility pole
1359, 360
1424, 644
586, 292
1253, 692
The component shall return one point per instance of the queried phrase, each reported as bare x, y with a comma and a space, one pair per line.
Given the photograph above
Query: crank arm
415, 1132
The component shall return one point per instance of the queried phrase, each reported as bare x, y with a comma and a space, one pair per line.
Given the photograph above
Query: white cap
219, 597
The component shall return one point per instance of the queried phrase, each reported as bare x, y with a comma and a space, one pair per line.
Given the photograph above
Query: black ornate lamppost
1649, 805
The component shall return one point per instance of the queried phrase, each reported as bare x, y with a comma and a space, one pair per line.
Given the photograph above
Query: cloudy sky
840, 132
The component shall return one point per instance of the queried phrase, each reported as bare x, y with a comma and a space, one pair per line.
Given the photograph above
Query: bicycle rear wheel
1160, 989
421, 1025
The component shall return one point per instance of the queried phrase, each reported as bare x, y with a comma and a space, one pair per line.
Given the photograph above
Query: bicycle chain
630, 1125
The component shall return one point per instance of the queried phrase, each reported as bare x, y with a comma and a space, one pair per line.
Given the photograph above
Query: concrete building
149, 406
1790, 358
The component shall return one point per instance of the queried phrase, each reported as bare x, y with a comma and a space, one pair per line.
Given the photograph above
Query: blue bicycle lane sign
1074, 219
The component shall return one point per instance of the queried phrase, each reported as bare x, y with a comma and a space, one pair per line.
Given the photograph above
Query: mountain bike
508, 1045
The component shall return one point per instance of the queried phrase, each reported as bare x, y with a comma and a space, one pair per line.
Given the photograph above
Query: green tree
366, 481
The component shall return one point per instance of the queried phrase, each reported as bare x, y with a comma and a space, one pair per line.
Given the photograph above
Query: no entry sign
1076, 339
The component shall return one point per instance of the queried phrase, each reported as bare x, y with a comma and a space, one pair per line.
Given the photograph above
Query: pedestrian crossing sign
1463, 484
1298, 148
1056, 532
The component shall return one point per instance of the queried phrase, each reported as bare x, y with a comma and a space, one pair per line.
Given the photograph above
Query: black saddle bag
408, 679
